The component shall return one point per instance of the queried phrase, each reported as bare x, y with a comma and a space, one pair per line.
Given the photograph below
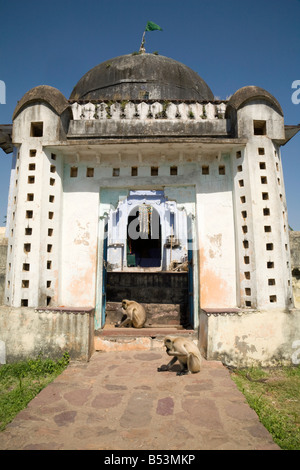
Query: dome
141, 77
248, 93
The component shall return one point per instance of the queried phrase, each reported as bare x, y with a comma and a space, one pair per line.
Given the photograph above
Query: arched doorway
144, 248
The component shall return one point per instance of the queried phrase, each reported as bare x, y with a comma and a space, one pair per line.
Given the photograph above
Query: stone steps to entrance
128, 339
157, 314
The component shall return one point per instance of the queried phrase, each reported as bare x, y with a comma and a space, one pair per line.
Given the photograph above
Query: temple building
143, 186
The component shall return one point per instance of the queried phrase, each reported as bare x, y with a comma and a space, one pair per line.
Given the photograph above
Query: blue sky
230, 44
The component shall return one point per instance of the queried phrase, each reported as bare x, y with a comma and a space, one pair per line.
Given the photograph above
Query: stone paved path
118, 401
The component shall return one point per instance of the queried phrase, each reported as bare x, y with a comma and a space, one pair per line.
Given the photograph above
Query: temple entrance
144, 237
148, 257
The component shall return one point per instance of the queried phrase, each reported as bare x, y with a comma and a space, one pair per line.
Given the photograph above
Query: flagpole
142, 48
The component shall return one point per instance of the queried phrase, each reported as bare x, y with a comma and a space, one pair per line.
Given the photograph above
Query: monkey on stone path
135, 314
185, 351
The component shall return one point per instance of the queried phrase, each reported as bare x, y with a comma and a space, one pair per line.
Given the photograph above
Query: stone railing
181, 111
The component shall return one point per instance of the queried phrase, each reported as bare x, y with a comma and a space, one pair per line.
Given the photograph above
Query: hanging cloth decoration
145, 220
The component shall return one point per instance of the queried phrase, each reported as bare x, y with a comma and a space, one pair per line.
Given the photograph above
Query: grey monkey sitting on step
135, 314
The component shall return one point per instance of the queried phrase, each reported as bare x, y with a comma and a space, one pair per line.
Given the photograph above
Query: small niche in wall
26, 267
261, 151
24, 302
73, 171
205, 170
262, 165
28, 231
31, 179
134, 171
116, 172
259, 127
30, 197
36, 129
173, 170
90, 172
154, 171
32, 152
222, 170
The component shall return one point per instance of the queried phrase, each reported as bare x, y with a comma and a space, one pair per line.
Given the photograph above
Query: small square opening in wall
269, 246
32, 152
31, 166
241, 183
248, 291
265, 196
263, 180
73, 171
53, 156
246, 259
49, 248
244, 228
36, 129
262, 165
50, 232
25, 284
28, 231
27, 247
244, 214
26, 267
50, 215
238, 154
134, 171
222, 170
51, 198
243, 199
154, 171
267, 228
29, 214
270, 264
273, 298
248, 303
271, 282
52, 181
247, 275
240, 168
48, 284
30, 197
31, 179
245, 244
259, 127
52, 168
49, 264
205, 170
266, 211
90, 172
261, 151
48, 301
173, 170
116, 172
24, 302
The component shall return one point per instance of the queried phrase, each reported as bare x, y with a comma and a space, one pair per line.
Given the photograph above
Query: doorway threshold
124, 339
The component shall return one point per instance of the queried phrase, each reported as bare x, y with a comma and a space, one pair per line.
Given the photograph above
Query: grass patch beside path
20, 382
274, 394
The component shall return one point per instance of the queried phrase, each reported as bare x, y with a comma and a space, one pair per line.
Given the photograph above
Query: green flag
152, 27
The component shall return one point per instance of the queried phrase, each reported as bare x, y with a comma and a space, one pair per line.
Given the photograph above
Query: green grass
276, 400
20, 382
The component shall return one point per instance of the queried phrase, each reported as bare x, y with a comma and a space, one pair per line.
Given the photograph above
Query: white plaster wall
216, 238
16, 289
268, 180
79, 240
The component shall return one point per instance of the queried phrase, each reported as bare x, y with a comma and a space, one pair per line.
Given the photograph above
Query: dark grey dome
141, 76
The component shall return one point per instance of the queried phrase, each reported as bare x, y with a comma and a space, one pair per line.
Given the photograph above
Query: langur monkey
135, 314
185, 351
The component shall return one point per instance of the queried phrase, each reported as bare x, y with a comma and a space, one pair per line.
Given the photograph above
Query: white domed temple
143, 186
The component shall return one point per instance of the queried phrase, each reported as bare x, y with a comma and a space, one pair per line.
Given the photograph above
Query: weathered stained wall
265, 338
295, 260
26, 333
3, 256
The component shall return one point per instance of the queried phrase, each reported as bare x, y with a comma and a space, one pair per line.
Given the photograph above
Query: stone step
157, 314
133, 339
